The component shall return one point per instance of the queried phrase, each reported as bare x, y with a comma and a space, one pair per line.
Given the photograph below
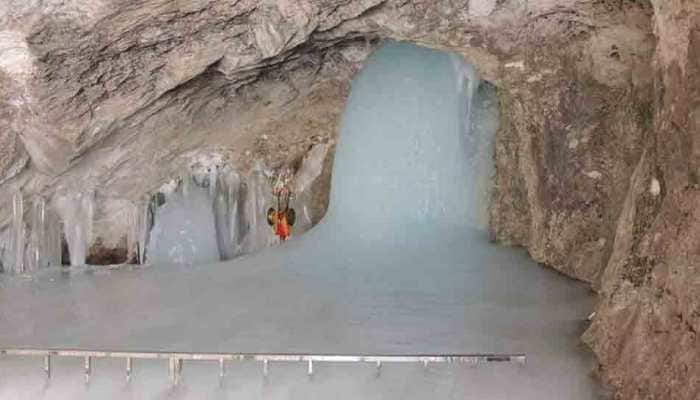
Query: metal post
171, 370
178, 370
265, 368
222, 369
47, 365
379, 368
311, 367
88, 369
128, 369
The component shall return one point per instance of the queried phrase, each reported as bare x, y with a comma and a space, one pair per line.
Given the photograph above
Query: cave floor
442, 296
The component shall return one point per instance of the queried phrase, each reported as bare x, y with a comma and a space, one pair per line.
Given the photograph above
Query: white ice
400, 264
184, 229
76, 210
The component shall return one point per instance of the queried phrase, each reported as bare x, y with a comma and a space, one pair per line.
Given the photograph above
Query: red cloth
282, 228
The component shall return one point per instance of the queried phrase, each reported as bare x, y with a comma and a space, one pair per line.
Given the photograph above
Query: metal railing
176, 359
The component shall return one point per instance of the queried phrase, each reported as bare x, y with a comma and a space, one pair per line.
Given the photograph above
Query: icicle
221, 217
143, 222
44, 245
185, 185
226, 213
132, 233
5, 249
213, 172
37, 235
52, 252
18, 233
77, 213
233, 211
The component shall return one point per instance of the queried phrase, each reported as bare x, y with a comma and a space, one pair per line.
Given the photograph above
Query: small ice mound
184, 231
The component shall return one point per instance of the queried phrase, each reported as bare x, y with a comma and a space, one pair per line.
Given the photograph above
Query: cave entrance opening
401, 264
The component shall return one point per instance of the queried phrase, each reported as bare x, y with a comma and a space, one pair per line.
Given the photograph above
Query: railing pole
47, 366
222, 368
128, 369
171, 370
176, 360
178, 370
88, 369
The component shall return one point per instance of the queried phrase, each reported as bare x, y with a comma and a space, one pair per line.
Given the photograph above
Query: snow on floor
400, 265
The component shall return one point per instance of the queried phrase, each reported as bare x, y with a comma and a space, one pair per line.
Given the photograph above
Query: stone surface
596, 159
646, 328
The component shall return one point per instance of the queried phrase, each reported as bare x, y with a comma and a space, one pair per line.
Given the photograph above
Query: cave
142, 144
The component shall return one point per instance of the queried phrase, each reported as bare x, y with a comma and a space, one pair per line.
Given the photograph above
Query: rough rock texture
646, 328
596, 158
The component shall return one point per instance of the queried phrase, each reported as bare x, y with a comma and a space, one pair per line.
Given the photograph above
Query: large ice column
76, 210
404, 161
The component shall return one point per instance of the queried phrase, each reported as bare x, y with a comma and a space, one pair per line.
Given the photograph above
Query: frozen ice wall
409, 155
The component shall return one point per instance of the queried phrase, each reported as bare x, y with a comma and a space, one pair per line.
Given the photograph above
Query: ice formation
32, 240
400, 265
44, 249
184, 229
12, 243
211, 213
217, 213
76, 210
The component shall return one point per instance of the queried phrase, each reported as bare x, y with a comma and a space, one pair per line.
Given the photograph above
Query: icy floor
399, 265
503, 303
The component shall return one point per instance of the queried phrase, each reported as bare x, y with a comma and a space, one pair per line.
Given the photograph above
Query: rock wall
646, 328
595, 159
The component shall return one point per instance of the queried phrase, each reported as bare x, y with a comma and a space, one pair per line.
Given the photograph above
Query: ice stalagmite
12, 239
227, 213
76, 210
44, 248
184, 231
33, 238
37, 233
18, 231
213, 215
140, 216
